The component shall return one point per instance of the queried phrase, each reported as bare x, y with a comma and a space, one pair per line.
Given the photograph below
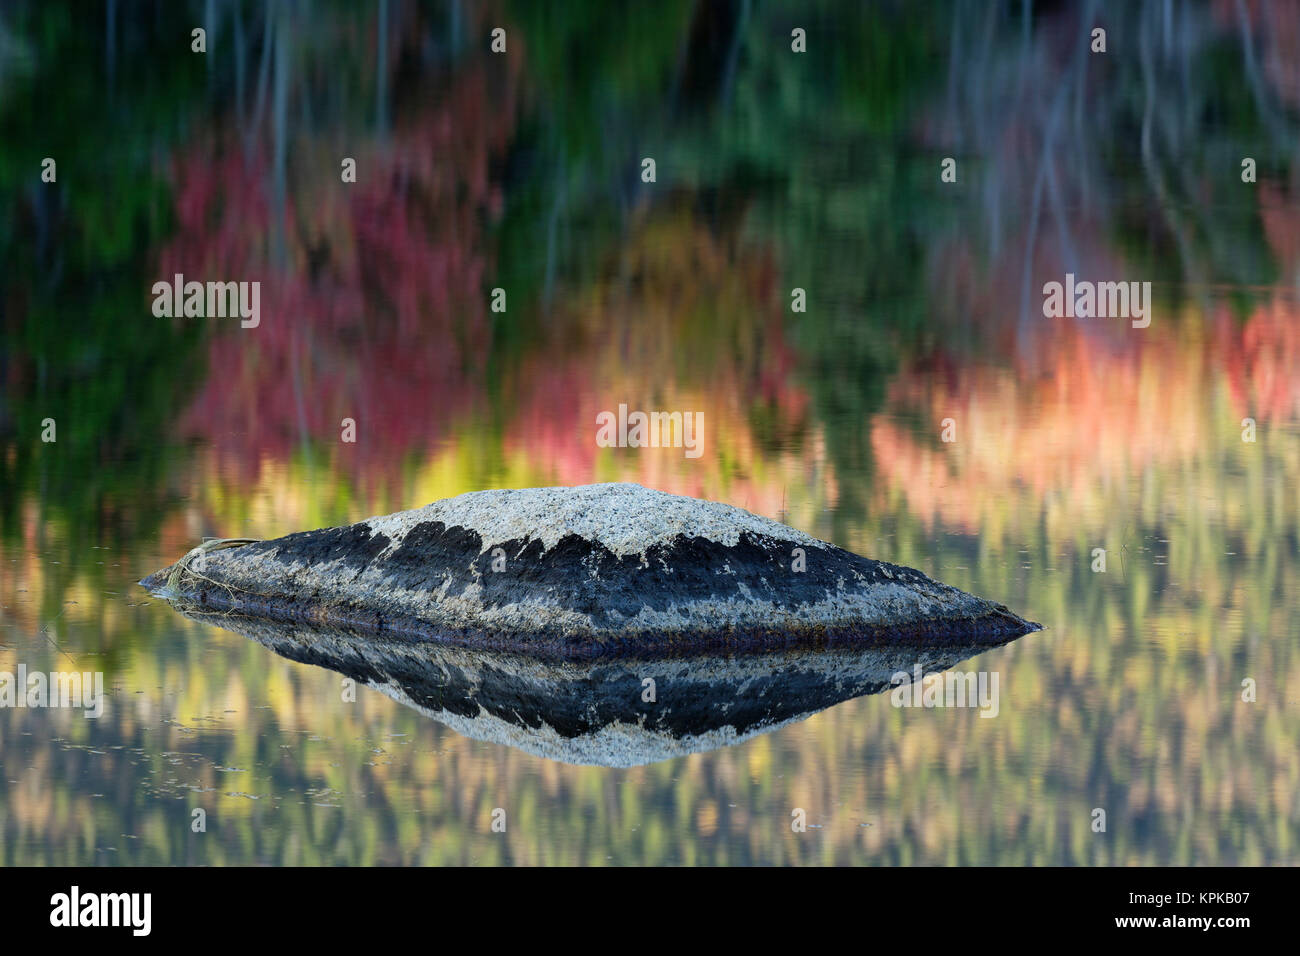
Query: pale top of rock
624, 517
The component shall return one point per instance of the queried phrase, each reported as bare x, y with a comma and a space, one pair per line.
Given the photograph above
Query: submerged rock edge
996, 627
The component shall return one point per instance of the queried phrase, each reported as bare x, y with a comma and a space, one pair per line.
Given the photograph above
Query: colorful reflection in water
774, 172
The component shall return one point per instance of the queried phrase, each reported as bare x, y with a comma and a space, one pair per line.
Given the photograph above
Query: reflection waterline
619, 713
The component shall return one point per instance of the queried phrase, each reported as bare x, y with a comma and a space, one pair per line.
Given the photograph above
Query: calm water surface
773, 173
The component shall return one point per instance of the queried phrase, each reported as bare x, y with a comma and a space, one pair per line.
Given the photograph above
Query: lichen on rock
585, 572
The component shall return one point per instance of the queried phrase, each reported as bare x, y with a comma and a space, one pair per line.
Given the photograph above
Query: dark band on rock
586, 572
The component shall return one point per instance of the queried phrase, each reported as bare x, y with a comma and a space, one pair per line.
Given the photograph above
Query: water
924, 303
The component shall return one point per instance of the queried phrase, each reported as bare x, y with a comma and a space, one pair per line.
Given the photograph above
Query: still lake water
924, 304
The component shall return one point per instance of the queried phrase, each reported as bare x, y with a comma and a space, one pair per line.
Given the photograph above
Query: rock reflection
614, 713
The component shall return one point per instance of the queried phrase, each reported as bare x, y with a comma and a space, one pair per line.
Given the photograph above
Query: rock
597, 570
599, 712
